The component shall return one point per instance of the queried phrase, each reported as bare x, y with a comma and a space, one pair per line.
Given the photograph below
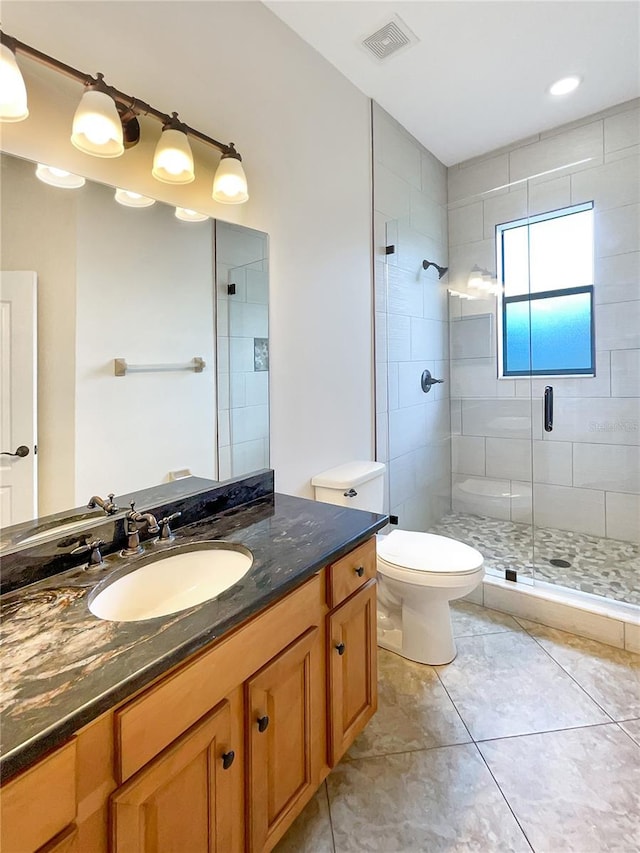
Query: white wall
586, 473
413, 429
235, 71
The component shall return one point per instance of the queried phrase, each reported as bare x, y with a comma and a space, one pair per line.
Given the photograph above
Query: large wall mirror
87, 281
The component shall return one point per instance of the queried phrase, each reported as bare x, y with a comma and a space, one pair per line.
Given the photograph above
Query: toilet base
426, 635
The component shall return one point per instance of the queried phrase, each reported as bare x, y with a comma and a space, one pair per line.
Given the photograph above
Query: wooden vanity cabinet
286, 692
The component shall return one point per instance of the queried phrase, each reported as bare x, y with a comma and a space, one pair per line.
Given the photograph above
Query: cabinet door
286, 707
353, 685
65, 842
182, 801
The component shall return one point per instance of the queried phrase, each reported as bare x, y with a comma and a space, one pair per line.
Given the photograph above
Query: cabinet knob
227, 759
340, 648
263, 722
360, 571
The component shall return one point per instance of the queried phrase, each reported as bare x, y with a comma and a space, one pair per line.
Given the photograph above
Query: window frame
529, 297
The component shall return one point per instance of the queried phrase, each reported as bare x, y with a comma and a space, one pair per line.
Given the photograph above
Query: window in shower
545, 264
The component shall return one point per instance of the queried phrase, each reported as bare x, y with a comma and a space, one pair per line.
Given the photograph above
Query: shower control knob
427, 380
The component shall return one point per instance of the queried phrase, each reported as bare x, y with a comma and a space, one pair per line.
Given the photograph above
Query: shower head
441, 270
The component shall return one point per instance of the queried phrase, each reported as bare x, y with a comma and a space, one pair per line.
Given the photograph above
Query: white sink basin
180, 578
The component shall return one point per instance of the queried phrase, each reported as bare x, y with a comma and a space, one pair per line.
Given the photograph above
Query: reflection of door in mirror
18, 442
243, 350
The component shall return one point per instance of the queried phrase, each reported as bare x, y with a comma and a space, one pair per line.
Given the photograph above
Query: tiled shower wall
413, 428
586, 473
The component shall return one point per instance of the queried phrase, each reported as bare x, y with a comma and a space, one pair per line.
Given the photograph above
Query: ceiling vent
391, 38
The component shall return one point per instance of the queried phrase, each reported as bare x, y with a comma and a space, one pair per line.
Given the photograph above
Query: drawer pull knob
360, 571
263, 722
227, 759
340, 648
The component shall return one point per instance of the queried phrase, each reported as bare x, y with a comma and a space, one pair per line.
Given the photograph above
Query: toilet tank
359, 485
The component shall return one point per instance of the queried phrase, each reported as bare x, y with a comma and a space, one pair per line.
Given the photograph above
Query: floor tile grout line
504, 797
409, 751
326, 793
620, 726
575, 680
547, 731
484, 634
462, 720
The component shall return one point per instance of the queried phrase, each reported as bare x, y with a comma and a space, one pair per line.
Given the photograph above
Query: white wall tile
622, 154
467, 181
509, 458
249, 423
257, 388
623, 516
257, 286
473, 378
394, 385
237, 390
549, 195
502, 418
402, 481
521, 502
413, 247
248, 320
249, 456
565, 508
610, 467
465, 224
611, 185
396, 150
427, 217
404, 292
575, 386
467, 455
622, 130
612, 421
410, 391
224, 462
553, 462
566, 617
625, 373
456, 417
617, 278
463, 258
392, 194
557, 151
398, 337
434, 177
617, 230
429, 340
381, 380
241, 355
504, 208
382, 437
434, 299
618, 325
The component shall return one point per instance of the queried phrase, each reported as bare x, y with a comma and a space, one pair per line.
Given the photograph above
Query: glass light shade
131, 199
230, 182
13, 92
476, 280
97, 128
173, 160
58, 177
188, 215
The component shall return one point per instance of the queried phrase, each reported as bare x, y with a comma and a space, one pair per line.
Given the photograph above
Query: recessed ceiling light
564, 86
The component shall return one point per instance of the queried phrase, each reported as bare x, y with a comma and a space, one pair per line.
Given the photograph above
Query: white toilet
418, 573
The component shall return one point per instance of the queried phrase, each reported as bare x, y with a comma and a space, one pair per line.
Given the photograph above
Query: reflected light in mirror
13, 92
188, 215
58, 177
97, 129
131, 199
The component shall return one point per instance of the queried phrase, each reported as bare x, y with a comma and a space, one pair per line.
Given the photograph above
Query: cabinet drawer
39, 803
351, 572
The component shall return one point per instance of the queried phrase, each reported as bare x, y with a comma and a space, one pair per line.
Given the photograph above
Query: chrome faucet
133, 519
107, 505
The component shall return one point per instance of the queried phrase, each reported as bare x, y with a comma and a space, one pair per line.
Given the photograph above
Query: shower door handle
548, 408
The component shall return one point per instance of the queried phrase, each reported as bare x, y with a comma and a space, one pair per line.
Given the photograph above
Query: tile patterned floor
608, 567
528, 741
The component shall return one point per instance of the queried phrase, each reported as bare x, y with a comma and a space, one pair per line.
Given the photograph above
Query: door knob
20, 451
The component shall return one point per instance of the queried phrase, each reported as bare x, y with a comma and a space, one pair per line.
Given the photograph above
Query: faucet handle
95, 558
165, 532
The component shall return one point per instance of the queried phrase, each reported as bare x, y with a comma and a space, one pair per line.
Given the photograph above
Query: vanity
208, 729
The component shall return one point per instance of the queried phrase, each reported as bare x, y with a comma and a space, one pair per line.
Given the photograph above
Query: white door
18, 400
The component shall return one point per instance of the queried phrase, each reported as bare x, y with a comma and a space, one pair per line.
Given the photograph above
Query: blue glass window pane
550, 334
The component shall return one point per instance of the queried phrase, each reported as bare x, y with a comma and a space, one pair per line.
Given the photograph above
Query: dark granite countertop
62, 666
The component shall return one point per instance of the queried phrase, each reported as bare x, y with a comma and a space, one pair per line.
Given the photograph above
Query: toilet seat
426, 559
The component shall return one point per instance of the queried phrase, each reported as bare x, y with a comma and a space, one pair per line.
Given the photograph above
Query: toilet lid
426, 552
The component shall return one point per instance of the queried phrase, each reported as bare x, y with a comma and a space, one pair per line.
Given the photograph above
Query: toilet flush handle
351, 493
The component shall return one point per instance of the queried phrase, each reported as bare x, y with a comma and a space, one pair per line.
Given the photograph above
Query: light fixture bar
129, 105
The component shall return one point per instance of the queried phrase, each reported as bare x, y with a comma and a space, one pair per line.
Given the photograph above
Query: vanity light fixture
188, 215
476, 278
58, 177
97, 128
106, 124
131, 199
565, 86
13, 92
